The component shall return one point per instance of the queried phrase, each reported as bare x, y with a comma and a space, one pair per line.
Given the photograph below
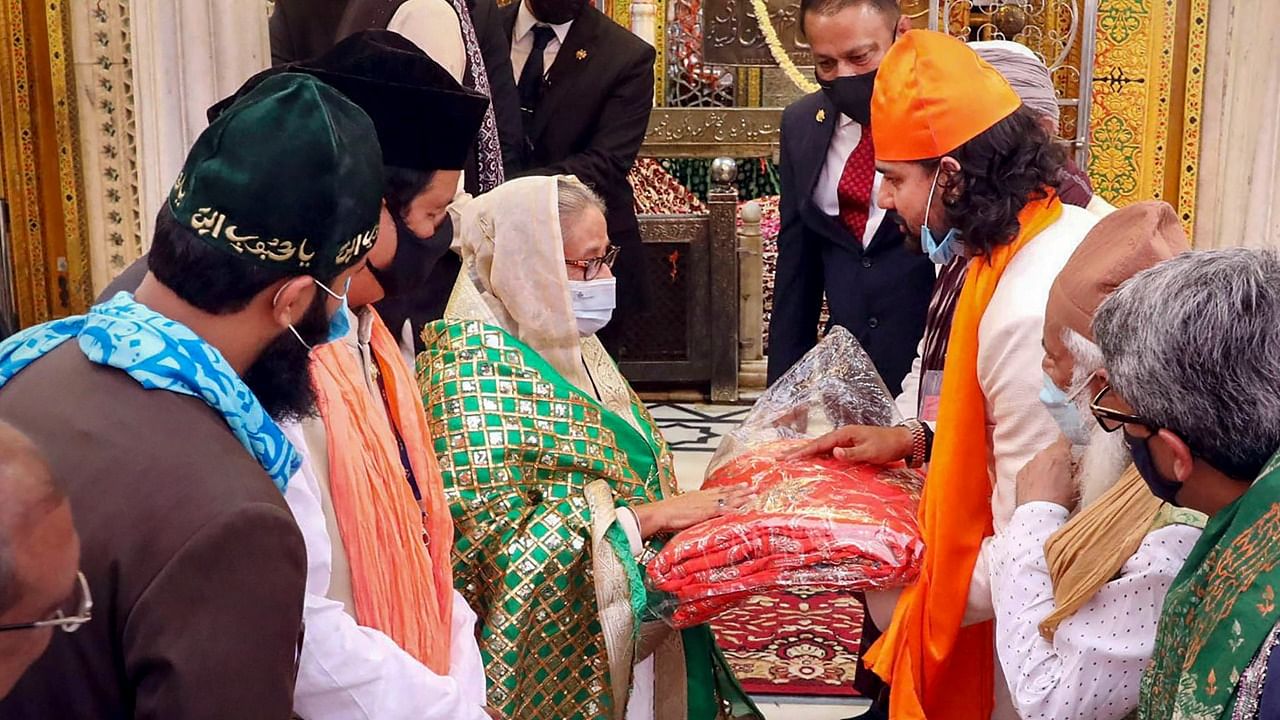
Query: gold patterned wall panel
42, 177
1148, 86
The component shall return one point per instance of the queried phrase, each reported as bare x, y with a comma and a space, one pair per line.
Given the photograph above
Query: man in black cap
387, 636
157, 414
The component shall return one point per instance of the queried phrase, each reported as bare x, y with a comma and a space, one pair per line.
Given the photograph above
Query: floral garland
779, 53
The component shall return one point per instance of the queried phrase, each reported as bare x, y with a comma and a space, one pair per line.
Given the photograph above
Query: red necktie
854, 190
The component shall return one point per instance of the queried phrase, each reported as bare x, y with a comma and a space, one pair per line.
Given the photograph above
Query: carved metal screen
670, 339
691, 82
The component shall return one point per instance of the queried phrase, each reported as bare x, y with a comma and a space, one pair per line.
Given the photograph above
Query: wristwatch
919, 443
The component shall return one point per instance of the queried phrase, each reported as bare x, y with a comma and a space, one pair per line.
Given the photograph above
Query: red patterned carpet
798, 643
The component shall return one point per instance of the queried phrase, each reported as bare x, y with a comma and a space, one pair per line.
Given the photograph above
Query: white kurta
1010, 373
1092, 668
350, 672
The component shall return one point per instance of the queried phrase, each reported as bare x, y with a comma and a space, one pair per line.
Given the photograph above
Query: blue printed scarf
161, 354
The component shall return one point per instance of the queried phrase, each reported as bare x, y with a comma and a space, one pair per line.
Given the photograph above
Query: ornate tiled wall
1143, 146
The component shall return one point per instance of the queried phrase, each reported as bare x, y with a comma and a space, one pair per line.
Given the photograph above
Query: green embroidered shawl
517, 445
1219, 609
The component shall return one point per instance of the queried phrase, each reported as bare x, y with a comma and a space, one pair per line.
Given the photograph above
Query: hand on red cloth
812, 521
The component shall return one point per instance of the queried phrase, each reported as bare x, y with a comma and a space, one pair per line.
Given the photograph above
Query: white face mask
593, 303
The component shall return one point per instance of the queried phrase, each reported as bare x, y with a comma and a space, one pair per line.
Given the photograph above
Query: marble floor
794, 708
693, 432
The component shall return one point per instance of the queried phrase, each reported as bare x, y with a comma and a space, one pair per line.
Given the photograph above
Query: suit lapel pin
581, 54
821, 116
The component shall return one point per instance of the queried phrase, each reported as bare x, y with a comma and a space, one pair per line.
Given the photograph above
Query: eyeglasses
1112, 420
78, 610
591, 266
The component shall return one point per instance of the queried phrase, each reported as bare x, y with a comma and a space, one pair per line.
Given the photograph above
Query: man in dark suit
303, 29
586, 91
834, 239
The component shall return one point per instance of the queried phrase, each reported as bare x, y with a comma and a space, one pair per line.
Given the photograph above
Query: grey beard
1101, 464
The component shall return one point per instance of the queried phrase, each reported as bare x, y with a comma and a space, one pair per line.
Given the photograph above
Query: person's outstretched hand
683, 511
859, 443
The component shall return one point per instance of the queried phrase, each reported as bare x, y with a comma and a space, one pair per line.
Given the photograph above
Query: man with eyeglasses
1192, 355
157, 412
40, 588
1077, 597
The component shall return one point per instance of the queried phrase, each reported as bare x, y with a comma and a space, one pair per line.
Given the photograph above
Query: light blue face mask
339, 322
943, 252
1065, 412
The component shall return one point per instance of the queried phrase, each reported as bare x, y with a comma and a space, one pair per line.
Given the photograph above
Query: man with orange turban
971, 173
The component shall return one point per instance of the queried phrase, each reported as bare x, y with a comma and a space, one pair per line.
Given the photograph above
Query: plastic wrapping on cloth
817, 522
834, 384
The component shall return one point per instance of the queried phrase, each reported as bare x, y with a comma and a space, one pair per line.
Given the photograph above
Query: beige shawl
520, 274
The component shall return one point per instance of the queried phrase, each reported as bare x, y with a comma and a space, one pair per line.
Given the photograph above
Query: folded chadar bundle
817, 522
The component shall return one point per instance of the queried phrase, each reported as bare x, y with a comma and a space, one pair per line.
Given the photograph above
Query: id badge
930, 395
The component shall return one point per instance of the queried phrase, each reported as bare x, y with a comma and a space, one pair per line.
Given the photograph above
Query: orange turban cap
932, 95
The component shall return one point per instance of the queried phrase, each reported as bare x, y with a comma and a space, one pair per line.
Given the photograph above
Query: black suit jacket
303, 29
594, 109
880, 293
495, 48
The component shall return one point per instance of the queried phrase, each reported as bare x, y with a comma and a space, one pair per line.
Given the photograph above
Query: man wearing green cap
159, 418
388, 638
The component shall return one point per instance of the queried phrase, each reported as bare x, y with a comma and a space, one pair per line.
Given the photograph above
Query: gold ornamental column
39, 155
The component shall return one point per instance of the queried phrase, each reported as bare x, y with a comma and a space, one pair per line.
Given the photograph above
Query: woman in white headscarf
558, 480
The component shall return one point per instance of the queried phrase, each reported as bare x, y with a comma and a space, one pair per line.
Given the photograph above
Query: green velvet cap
289, 177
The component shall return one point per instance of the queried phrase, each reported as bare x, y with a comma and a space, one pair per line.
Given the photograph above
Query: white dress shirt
522, 41
351, 672
433, 26
845, 138
1093, 667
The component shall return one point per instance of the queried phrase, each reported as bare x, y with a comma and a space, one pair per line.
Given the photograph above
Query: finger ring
721, 502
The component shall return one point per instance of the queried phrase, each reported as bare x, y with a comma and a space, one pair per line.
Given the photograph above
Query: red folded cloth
817, 522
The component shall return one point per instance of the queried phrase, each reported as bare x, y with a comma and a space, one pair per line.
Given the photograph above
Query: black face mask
1161, 486
555, 12
414, 258
280, 378
851, 94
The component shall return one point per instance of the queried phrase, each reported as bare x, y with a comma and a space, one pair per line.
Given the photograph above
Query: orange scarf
402, 587
935, 668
